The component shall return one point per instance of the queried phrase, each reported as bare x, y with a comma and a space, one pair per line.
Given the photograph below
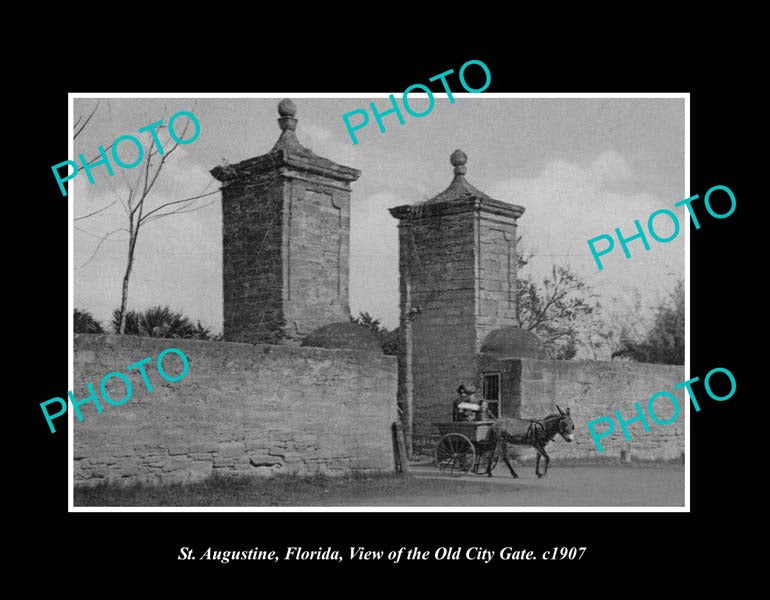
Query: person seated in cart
466, 407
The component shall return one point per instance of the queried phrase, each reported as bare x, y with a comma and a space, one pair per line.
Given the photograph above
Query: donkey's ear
567, 412
561, 412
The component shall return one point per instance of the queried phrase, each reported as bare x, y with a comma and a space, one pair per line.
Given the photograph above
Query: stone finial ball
458, 158
287, 108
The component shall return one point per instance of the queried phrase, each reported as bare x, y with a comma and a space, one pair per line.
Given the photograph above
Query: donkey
528, 432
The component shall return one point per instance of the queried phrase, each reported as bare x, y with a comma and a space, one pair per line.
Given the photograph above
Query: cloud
379, 169
321, 141
567, 204
184, 173
610, 167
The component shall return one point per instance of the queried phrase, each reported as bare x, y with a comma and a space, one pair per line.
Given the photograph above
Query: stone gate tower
457, 263
286, 240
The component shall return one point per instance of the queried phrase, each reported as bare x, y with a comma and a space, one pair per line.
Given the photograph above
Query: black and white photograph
277, 304
443, 316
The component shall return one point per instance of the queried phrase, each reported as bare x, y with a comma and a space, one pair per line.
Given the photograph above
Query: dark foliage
554, 308
85, 323
664, 342
161, 321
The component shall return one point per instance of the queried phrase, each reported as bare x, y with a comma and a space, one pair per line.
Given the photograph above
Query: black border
140, 543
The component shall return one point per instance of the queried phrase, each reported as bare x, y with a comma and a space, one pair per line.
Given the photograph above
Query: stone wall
241, 409
592, 389
532, 388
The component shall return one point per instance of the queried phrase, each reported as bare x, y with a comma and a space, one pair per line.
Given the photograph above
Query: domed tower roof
513, 342
344, 335
460, 188
287, 151
459, 197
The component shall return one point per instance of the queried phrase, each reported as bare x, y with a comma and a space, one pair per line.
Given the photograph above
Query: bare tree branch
179, 211
143, 195
97, 235
162, 206
82, 127
128, 185
87, 232
99, 245
138, 192
128, 203
163, 160
80, 168
96, 212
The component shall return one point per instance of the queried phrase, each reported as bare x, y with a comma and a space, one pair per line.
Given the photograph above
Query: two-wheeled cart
464, 447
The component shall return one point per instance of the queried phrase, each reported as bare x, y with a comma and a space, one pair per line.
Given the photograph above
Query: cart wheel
455, 454
480, 468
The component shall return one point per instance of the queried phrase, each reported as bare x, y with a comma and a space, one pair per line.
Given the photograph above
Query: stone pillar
457, 264
285, 240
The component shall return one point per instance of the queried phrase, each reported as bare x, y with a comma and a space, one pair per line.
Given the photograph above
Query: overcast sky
580, 167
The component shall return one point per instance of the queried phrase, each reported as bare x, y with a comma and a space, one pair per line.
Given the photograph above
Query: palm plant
160, 321
84, 322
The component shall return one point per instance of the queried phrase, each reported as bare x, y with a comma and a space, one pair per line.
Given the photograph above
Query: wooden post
399, 448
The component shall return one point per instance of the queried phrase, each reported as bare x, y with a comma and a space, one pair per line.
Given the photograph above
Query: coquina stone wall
532, 388
592, 389
241, 409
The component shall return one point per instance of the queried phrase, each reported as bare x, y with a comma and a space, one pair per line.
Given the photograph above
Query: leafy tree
388, 339
664, 341
554, 308
161, 321
84, 322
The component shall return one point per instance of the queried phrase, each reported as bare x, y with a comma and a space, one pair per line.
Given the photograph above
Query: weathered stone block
230, 449
306, 394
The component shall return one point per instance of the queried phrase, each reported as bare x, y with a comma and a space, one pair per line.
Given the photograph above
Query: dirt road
563, 486
579, 485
